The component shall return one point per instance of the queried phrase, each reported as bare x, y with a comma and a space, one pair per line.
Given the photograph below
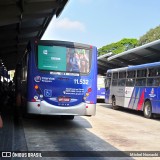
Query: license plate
63, 99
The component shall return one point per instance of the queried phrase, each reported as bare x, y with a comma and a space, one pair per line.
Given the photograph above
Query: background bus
58, 78
135, 87
100, 87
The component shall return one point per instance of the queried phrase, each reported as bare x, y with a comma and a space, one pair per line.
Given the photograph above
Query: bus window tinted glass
142, 73
130, 82
109, 74
114, 82
141, 82
153, 72
131, 74
153, 81
122, 74
115, 75
121, 82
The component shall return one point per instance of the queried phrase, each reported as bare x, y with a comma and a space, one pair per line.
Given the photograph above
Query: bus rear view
61, 78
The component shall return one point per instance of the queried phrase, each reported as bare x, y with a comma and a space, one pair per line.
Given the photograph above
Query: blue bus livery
59, 78
135, 87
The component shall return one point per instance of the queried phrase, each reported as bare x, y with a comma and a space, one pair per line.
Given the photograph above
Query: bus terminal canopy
22, 20
147, 53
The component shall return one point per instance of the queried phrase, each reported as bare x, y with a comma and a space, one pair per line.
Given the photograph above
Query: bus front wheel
114, 106
147, 111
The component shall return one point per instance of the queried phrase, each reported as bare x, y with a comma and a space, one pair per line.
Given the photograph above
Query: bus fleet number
80, 81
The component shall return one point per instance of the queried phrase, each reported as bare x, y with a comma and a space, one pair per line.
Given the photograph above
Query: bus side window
114, 82
142, 73
152, 72
153, 82
121, 82
158, 72
131, 74
122, 74
130, 82
115, 75
141, 82
158, 81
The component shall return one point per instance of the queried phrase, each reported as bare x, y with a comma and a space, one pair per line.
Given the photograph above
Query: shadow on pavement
54, 137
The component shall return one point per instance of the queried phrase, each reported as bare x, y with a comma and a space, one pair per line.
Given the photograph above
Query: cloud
67, 24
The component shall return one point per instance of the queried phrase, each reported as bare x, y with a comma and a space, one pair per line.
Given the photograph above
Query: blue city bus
135, 87
58, 78
100, 87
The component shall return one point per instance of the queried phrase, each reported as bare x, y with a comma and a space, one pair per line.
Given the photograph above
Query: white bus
135, 87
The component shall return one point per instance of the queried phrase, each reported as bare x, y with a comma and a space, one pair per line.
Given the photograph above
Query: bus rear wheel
114, 106
147, 111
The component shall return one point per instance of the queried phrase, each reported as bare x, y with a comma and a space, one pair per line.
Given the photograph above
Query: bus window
130, 82
114, 82
153, 82
142, 73
115, 75
141, 82
158, 72
122, 74
153, 72
121, 82
131, 74
109, 74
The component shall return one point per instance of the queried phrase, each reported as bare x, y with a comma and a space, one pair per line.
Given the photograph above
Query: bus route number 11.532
80, 81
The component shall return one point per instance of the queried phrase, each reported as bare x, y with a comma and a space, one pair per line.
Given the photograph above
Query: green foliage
118, 47
151, 35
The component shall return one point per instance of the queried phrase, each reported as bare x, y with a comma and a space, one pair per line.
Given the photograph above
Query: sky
101, 22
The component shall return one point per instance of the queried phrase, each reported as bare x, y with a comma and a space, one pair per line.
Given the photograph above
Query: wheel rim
147, 110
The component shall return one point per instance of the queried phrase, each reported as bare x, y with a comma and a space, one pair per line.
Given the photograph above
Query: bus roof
148, 65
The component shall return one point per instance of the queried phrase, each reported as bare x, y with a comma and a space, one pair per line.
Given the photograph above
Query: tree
119, 46
151, 35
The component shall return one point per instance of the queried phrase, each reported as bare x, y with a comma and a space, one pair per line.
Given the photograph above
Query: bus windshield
60, 58
100, 82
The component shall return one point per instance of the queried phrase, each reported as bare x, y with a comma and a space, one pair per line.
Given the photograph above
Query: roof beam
144, 59
125, 61
153, 50
119, 62
102, 67
103, 64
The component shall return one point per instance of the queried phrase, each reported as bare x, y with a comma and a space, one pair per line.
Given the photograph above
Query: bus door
120, 92
107, 89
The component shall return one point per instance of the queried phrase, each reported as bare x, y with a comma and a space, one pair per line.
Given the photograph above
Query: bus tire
114, 106
147, 111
